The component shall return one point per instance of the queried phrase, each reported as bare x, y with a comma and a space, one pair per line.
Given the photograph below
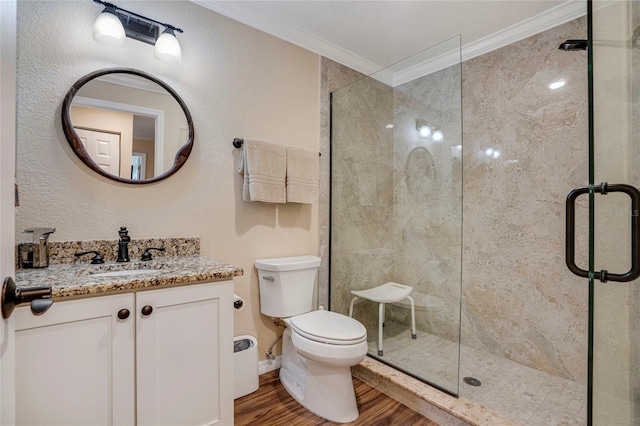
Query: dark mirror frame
81, 152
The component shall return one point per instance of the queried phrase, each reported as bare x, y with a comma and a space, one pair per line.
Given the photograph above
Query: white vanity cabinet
169, 362
185, 355
75, 363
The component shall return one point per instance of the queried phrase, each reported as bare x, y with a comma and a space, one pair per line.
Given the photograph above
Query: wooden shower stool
386, 293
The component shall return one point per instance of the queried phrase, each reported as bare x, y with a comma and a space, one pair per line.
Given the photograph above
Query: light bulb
108, 29
489, 151
424, 131
496, 154
167, 47
438, 136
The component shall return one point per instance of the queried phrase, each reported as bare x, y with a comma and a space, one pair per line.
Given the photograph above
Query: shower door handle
604, 275
570, 237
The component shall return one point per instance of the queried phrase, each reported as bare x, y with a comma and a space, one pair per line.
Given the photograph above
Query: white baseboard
268, 365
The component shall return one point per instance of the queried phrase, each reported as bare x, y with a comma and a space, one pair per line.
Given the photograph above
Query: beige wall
236, 81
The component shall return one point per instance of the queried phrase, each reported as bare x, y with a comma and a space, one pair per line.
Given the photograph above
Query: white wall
236, 81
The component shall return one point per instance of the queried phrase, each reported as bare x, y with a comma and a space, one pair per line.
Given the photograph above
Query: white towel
263, 165
303, 175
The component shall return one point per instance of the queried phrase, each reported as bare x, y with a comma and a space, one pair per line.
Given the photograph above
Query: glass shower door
396, 213
614, 59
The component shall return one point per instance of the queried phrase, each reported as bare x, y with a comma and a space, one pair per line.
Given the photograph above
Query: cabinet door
75, 363
185, 355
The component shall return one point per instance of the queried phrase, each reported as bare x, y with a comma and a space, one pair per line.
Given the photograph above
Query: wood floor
271, 405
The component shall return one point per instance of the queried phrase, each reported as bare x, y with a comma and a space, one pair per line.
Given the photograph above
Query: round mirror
127, 125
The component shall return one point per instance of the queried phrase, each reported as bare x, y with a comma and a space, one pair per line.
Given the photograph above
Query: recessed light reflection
556, 84
438, 136
489, 151
389, 126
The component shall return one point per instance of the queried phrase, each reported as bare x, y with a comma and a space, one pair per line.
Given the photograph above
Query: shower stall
455, 184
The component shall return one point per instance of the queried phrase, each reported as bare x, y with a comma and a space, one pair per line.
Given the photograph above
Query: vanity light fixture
108, 29
115, 23
167, 47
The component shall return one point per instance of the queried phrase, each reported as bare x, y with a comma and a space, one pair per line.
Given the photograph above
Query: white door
103, 147
7, 211
182, 346
75, 365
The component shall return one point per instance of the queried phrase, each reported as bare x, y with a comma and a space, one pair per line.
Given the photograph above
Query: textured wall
236, 81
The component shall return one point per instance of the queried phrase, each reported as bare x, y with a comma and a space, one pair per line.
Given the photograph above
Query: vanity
146, 343
133, 341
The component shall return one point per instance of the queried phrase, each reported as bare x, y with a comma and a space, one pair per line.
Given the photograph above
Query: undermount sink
125, 273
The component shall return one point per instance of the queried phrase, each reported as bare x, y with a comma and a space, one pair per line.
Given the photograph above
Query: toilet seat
328, 327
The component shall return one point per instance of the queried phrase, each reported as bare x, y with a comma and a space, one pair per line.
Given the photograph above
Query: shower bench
386, 293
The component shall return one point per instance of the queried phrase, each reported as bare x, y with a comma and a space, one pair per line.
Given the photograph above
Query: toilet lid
329, 327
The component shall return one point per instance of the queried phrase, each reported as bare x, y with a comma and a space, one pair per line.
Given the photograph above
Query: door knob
146, 310
123, 314
39, 297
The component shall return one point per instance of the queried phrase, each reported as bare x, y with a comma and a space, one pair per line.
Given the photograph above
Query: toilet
318, 347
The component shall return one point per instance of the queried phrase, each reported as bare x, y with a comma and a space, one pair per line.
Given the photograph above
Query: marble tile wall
519, 301
617, 156
362, 191
333, 76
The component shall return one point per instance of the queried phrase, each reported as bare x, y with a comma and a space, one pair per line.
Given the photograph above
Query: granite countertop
78, 280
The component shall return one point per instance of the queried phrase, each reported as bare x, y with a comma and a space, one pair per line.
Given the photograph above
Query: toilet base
327, 394
326, 391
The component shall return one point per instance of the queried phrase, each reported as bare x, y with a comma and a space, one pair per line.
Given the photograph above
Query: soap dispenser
33, 251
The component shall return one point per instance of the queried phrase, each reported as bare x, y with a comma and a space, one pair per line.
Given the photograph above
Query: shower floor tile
515, 391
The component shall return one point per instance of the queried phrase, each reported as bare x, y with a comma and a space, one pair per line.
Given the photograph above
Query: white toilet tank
286, 285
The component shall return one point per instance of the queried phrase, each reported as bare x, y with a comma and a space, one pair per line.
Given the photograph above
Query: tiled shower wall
518, 299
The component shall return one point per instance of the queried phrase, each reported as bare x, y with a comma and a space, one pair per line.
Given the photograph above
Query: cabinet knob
146, 310
123, 314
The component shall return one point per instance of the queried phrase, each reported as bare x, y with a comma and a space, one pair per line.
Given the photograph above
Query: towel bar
237, 143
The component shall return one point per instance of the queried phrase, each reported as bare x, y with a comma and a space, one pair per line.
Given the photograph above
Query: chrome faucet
123, 245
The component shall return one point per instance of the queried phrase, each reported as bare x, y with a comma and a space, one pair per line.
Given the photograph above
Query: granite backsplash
63, 252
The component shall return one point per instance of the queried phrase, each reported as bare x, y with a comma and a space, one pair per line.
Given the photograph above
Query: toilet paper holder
238, 302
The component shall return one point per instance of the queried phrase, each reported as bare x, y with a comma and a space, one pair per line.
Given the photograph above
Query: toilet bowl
329, 338
318, 347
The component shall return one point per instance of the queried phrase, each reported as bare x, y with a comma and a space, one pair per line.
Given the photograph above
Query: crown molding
558, 15
241, 12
